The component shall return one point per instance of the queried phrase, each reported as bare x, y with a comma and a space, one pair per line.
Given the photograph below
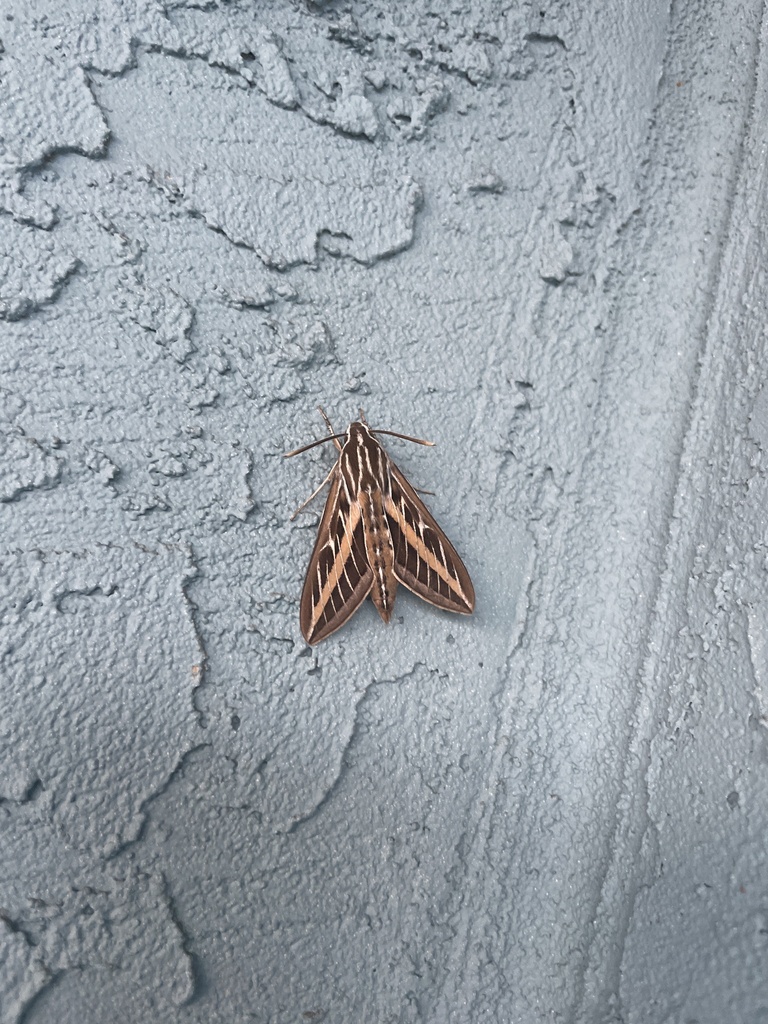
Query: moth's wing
425, 560
339, 577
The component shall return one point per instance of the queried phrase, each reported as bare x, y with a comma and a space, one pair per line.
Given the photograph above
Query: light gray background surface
535, 233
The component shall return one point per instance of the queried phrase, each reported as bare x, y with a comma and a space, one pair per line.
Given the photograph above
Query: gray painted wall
536, 233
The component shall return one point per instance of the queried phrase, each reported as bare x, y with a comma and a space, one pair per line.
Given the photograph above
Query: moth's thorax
364, 463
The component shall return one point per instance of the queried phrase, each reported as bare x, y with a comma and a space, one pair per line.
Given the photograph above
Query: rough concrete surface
536, 233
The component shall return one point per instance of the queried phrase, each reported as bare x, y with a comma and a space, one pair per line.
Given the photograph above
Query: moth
375, 532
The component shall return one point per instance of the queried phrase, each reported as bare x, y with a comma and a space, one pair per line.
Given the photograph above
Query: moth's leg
330, 428
314, 493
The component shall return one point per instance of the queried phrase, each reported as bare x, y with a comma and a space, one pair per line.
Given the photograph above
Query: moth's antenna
314, 444
405, 437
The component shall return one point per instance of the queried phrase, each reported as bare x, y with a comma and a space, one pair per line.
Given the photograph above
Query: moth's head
358, 429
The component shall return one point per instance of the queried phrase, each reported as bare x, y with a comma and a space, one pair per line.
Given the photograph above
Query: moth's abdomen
380, 552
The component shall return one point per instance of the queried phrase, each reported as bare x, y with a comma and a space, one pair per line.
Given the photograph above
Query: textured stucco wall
534, 233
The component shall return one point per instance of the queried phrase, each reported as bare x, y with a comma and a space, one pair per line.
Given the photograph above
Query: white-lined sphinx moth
375, 533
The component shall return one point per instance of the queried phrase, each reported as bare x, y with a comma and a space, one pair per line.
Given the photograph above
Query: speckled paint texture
535, 233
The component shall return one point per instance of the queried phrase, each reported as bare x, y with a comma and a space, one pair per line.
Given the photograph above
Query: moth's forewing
425, 560
338, 578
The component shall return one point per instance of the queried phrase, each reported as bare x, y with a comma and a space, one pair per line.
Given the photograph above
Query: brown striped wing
338, 578
425, 560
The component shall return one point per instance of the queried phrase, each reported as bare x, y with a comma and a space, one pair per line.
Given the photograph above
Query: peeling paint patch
103, 690
25, 463
288, 181
47, 108
33, 269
